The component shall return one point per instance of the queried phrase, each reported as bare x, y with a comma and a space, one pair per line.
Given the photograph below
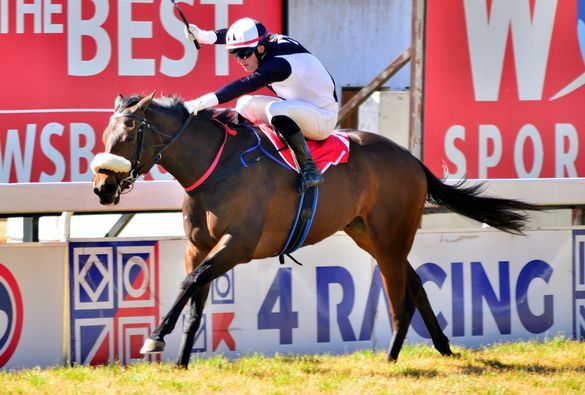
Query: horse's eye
129, 123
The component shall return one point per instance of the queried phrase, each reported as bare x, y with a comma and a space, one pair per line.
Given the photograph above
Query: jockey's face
250, 63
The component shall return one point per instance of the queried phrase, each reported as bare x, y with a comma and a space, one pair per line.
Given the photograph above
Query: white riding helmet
245, 33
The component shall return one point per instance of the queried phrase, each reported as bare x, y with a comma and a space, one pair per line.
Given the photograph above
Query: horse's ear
144, 103
118, 101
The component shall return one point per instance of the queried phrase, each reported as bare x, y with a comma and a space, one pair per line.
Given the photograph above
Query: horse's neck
196, 151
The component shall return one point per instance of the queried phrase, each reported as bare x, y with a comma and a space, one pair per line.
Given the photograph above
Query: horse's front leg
193, 258
155, 344
222, 258
193, 317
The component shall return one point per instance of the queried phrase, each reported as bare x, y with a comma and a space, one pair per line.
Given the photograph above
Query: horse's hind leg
401, 318
390, 253
394, 277
421, 301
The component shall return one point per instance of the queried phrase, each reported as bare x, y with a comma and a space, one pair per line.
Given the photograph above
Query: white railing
49, 198
27, 198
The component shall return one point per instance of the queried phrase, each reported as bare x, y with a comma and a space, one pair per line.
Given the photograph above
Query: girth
301, 225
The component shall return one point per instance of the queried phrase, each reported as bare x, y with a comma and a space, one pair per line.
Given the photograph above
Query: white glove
201, 103
203, 36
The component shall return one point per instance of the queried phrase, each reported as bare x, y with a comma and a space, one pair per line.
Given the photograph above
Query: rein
135, 161
213, 165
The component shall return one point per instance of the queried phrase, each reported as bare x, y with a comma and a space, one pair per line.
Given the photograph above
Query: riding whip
185, 22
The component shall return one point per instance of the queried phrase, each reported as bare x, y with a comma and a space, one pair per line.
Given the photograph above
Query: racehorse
237, 213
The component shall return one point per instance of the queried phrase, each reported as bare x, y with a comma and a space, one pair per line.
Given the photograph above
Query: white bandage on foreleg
107, 161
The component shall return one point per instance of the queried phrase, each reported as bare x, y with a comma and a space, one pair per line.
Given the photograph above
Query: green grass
553, 367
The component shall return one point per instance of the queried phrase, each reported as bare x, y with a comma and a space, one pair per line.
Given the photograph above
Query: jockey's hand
201, 103
203, 36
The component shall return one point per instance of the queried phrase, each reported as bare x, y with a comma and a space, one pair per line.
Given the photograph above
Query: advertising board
484, 286
31, 305
504, 88
69, 59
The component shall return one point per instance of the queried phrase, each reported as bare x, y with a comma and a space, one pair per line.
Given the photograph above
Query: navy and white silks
305, 90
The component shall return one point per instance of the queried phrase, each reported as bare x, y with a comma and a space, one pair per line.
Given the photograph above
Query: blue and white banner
484, 286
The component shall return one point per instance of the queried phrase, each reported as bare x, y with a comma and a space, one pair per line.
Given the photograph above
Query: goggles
242, 53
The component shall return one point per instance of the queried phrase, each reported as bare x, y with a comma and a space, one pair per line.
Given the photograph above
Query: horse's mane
175, 104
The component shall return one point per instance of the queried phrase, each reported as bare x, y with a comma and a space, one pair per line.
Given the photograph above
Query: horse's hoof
152, 347
391, 359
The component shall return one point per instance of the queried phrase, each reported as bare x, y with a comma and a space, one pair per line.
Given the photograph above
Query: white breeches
315, 123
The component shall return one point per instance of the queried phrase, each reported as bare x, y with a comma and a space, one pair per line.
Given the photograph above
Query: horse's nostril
109, 188
105, 189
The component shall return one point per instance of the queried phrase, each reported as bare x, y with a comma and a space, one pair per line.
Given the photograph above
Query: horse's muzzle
107, 191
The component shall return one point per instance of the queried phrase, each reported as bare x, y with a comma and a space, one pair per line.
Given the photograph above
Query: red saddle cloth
326, 153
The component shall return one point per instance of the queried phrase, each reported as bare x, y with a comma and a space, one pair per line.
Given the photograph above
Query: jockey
306, 105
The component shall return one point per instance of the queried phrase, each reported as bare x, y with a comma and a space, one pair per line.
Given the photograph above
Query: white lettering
33, 9
528, 132
81, 152
221, 21
487, 38
565, 159
128, 30
77, 28
48, 10
527, 143
173, 26
53, 154
487, 134
13, 154
41, 12
3, 16
455, 132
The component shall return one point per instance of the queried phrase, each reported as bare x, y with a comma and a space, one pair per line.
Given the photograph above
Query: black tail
504, 214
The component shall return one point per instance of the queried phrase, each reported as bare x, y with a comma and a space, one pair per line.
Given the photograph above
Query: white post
65, 225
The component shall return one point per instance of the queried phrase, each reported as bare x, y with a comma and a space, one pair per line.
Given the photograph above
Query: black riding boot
310, 174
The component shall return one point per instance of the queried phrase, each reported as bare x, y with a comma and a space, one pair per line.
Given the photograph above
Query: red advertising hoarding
64, 62
505, 88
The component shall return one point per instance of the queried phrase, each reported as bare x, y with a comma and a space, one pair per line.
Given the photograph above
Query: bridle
128, 182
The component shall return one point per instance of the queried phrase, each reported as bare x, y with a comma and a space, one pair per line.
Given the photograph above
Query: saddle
332, 151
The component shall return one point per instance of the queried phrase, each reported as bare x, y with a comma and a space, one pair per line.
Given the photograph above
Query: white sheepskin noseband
107, 161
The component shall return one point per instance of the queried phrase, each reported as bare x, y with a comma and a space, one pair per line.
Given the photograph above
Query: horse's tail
504, 214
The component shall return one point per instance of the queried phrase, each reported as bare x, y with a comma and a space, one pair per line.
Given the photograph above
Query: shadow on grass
494, 364
418, 373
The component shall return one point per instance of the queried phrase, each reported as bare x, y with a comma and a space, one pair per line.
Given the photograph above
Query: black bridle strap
135, 162
176, 137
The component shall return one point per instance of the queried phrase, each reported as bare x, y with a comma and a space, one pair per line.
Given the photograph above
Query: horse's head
121, 162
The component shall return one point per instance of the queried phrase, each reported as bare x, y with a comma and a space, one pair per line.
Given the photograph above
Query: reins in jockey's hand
186, 22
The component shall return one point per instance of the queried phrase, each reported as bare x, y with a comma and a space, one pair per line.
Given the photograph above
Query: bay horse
240, 213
